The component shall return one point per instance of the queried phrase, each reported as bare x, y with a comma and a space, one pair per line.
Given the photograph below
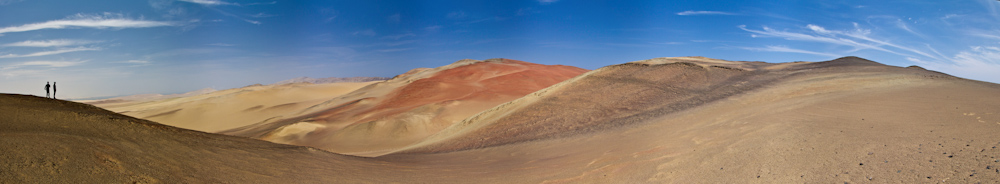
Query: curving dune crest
398, 112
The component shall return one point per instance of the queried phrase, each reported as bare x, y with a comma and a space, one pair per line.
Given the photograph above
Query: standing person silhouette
53, 90
46, 89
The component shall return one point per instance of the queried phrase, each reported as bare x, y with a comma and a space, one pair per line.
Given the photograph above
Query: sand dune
698, 120
231, 108
664, 120
51, 141
398, 112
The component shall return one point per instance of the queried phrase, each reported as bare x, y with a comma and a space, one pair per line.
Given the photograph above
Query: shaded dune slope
52, 141
395, 113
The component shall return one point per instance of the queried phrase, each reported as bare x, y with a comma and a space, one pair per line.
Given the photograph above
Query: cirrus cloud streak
103, 21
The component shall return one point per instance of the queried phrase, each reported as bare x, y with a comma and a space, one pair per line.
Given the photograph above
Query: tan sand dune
231, 108
398, 112
52, 141
665, 120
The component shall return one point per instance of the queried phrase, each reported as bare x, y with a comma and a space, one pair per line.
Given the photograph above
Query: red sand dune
414, 105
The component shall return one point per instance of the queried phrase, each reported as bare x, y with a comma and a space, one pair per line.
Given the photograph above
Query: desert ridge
226, 109
663, 120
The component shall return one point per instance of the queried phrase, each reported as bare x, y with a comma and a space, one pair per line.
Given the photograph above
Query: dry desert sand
231, 108
664, 120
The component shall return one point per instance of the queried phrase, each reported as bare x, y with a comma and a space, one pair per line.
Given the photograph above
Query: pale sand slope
392, 114
680, 120
231, 108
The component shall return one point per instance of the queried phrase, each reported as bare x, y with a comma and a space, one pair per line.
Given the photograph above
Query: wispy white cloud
667, 43
983, 33
50, 63
236, 16
210, 2
329, 13
137, 62
49, 43
11, 72
393, 50
261, 15
6, 2
979, 62
902, 25
398, 36
692, 12
222, 44
103, 21
53, 52
858, 39
791, 50
547, 1
993, 7
272, 2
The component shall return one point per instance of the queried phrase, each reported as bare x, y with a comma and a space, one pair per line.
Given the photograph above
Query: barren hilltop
663, 120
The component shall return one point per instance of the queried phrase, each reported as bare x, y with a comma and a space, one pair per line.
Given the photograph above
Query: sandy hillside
398, 112
664, 120
52, 141
231, 108
700, 120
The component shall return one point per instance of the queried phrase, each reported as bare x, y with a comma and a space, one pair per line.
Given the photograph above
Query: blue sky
121, 47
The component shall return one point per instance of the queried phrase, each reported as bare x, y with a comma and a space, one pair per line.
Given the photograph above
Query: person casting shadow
47, 89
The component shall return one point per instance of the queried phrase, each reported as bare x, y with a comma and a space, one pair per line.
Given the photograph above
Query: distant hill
149, 97
330, 80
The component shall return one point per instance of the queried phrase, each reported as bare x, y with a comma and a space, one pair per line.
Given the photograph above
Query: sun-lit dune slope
231, 108
52, 141
398, 112
700, 120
